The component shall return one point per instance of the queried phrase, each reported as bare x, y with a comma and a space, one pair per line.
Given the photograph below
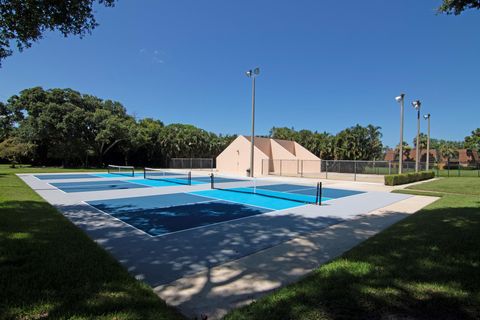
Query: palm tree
448, 151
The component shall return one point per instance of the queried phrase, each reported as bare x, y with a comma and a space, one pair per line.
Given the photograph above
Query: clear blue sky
326, 65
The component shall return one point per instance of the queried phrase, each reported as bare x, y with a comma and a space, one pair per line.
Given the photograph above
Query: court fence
192, 163
359, 170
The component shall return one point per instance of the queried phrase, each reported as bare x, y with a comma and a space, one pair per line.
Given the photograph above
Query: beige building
235, 158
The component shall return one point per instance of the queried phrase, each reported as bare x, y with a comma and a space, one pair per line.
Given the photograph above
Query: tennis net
121, 170
302, 194
169, 176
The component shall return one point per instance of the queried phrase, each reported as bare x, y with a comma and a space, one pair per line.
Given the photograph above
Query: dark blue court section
87, 186
169, 216
64, 176
308, 190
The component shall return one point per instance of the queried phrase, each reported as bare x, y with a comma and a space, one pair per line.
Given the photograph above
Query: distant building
466, 157
236, 157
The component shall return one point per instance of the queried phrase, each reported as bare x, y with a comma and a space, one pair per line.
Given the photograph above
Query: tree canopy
473, 140
65, 127
456, 7
23, 22
354, 143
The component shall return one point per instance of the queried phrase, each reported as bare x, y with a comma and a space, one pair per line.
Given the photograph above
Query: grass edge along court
50, 269
89, 283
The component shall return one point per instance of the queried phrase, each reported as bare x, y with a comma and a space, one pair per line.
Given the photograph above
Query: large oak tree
23, 22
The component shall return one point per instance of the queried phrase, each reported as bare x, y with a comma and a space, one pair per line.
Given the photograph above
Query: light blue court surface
163, 214
163, 183
65, 176
217, 179
89, 186
169, 182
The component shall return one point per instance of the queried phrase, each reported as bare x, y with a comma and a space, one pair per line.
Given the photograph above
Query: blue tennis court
163, 214
64, 176
89, 186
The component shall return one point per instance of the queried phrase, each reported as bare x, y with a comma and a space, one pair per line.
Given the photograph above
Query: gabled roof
282, 149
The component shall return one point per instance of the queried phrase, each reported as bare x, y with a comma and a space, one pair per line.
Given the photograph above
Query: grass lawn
424, 267
469, 186
50, 269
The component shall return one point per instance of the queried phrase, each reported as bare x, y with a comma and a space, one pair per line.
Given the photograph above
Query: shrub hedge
396, 179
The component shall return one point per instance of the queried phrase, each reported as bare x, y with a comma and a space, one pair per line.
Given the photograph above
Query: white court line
115, 218
246, 204
55, 188
188, 229
193, 203
92, 185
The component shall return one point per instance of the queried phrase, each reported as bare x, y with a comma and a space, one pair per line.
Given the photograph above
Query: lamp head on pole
253, 73
427, 116
416, 104
400, 98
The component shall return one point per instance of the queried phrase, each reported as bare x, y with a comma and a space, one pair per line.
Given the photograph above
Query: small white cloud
158, 60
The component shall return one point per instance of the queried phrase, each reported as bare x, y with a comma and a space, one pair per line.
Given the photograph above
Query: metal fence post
354, 170
389, 167
326, 169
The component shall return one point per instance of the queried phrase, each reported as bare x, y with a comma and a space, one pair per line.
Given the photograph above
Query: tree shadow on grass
51, 269
425, 267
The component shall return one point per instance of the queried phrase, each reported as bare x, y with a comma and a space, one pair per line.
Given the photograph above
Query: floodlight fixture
416, 104
400, 97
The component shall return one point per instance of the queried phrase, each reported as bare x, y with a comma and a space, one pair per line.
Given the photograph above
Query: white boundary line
193, 203
251, 205
115, 218
49, 183
54, 188
188, 229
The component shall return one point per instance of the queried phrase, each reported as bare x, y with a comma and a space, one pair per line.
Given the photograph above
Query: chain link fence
192, 163
357, 170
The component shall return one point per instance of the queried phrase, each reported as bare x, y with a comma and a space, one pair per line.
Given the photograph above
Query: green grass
425, 267
49, 269
5, 169
451, 185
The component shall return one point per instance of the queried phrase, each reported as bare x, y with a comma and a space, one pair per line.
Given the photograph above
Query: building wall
235, 159
302, 153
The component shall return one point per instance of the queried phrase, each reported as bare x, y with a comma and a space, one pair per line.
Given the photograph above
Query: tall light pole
252, 74
400, 99
427, 117
416, 104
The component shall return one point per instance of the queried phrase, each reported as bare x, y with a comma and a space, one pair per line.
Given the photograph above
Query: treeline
64, 127
67, 128
354, 143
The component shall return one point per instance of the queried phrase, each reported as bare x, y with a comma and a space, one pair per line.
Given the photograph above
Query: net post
211, 182
320, 193
189, 178
144, 173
